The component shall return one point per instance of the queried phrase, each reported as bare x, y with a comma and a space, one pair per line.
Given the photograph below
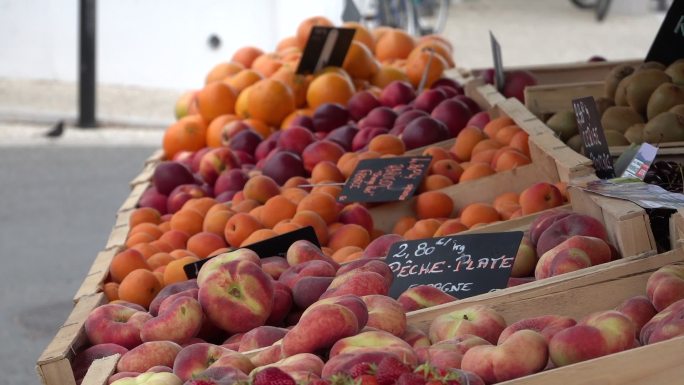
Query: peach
237, 296
358, 214
422, 297
194, 359
415, 337
169, 290
215, 263
564, 228
85, 358
351, 302
448, 168
145, 378
303, 250
639, 309
666, 286
308, 289
525, 352
267, 356
233, 342
301, 367
260, 337
282, 303
260, 188
543, 221
478, 320
449, 353
374, 265
215, 161
311, 268
320, 327
218, 375
357, 283
319, 151
576, 252
377, 340
232, 359
385, 313
667, 324
379, 247
597, 335
274, 266
178, 321
539, 197
525, 259
148, 354
546, 325
116, 324
449, 227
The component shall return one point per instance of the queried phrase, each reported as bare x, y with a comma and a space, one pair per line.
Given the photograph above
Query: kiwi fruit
666, 127
641, 86
621, 91
676, 72
679, 109
666, 96
615, 138
564, 124
602, 103
620, 118
575, 143
650, 65
613, 78
635, 133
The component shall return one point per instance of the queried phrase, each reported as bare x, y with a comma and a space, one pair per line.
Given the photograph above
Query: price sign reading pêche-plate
459, 265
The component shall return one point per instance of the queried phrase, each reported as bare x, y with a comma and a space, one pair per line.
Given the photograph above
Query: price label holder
499, 75
276, 246
641, 162
593, 137
385, 179
459, 265
668, 45
327, 46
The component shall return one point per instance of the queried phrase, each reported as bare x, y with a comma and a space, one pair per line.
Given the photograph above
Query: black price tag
593, 137
385, 179
459, 265
327, 46
668, 45
276, 246
499, 76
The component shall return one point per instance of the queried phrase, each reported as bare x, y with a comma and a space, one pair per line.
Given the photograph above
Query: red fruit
273, 376
389, 370
360, 369
366, 379
411, 379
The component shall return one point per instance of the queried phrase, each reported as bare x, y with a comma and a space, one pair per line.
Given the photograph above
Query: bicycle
417, 17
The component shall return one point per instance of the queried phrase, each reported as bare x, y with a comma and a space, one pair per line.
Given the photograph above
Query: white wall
152, 43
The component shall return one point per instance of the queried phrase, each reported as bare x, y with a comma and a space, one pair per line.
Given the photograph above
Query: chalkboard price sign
459, 265
593, 137
385, 179
668, 45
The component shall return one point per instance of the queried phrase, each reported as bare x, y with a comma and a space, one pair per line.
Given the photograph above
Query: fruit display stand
576, 295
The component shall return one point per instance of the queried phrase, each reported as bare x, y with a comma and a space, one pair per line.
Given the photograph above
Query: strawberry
389, 370
411, 379
273, 376
319, 381
361, 368
366, 379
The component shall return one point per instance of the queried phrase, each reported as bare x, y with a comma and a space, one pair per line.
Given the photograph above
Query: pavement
59, 196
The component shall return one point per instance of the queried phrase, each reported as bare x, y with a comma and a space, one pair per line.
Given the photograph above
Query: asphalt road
57, 207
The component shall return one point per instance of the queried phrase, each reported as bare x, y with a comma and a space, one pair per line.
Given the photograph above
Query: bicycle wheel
602, 9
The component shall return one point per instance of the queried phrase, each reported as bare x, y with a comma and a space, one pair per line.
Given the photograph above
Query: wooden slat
658, 364
573, 294
132, 201
53, 366
145, 175
156, 157
97, 274
99, 371
548, 99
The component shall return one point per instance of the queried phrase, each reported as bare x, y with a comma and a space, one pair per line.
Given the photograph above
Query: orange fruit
477, 213
359, 62
418, 63
125, 262
246, 56
433, 204
305, 27
362, 35
329, 88
144, 215
243, 79
215, 99
297, 83
174, 270
386, 75
270, 101
187, 134
394, 44
267, 64
140, 286
222, 71
215, 129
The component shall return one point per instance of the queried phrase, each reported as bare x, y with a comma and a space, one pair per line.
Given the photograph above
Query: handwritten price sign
460, 265
593, 137
385, 179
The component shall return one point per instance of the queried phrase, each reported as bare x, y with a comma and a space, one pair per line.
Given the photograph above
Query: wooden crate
575, 295
544, 101
54, 364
